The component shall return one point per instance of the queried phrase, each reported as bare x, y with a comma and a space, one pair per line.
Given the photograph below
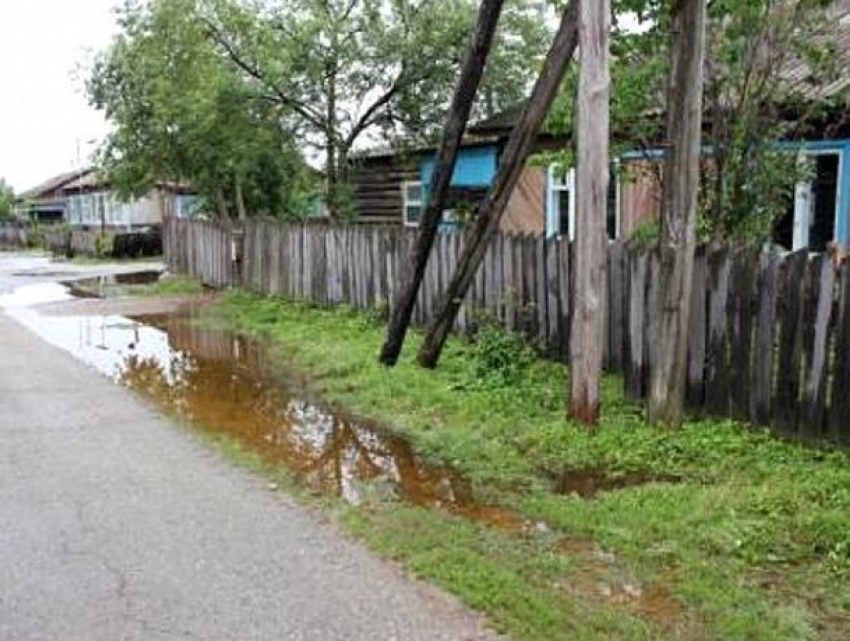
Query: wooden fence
16, 237
769, 336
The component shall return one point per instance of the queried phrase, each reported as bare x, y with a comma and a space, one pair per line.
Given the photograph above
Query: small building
91, 204
391, 186
46, 203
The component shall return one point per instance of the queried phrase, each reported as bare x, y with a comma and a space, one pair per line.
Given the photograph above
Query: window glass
412, 202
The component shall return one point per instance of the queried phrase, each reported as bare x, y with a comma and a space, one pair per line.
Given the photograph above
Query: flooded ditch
224, 384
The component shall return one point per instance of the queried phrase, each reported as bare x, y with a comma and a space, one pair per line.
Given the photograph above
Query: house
45, 203
392, 186
91, 203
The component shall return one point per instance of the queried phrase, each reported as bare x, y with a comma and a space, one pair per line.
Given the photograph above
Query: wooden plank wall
769, 335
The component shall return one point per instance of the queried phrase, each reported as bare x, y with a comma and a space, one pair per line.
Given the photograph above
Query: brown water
100, 286
224, 384
589, 483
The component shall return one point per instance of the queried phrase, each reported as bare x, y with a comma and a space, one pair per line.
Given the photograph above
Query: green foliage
749, 105
103, 244
182, 115
746, 532
340, 71
7, 200
498, 358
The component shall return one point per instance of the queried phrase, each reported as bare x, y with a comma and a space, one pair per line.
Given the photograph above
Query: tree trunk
591, 255
331, 141
470, 76
221, 203
489, 213
240, 200
668, 367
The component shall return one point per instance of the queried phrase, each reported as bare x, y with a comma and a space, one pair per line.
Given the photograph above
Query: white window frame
408, 202
804, 201
554, 186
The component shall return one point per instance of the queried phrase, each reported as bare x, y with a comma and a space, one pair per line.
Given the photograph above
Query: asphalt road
117, 524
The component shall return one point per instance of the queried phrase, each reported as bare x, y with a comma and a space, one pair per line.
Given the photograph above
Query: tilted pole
513, 159
464, 96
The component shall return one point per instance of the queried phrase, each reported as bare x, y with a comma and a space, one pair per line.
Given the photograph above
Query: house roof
389, 151
50, 186
90, 180
797, 74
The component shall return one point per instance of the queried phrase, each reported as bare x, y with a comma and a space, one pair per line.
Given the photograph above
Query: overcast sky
43, 110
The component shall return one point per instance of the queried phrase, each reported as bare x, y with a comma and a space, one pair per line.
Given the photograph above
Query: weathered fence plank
838, 428
769, 337
786, 405
717, 349
765, 340
819, 308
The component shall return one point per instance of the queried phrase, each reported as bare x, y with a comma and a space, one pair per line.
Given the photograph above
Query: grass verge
711, 531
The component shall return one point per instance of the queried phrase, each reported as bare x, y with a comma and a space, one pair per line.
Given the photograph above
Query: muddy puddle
590, 483
224, 385
100, 286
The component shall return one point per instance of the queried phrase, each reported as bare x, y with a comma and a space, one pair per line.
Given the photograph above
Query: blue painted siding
475, 167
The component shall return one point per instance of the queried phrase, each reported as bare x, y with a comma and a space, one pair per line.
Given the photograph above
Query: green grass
751, 541
167, 286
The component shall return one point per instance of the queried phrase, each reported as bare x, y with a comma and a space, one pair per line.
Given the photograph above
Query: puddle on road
223, 384
100, 286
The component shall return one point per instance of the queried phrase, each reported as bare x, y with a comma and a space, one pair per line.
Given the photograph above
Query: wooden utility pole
489, 213
669, 348
591, 251
470, 76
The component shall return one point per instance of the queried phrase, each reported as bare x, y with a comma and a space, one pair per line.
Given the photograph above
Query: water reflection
224, 384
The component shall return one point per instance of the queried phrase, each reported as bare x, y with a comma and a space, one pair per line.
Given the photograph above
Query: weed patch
720, 506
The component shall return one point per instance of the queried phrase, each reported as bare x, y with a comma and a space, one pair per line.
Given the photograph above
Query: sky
43, 109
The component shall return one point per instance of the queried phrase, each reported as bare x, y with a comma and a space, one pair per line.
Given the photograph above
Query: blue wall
475, 167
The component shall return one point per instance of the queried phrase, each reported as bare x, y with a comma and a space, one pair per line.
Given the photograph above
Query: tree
751, 104
668, 369
180, 114
591, 253
473, 66
344, 70
7, 199
486, 221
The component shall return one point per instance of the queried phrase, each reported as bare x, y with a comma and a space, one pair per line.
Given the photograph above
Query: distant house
91, 203
46, 203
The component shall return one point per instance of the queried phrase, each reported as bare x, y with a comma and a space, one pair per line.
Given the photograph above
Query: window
560, 204
413, 202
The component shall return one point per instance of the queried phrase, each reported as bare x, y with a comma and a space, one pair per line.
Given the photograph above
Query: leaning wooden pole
470, 77
591, 251
669, 347
489, 213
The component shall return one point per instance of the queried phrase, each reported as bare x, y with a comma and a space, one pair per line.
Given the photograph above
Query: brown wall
377, 187
526, 210
640, 195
